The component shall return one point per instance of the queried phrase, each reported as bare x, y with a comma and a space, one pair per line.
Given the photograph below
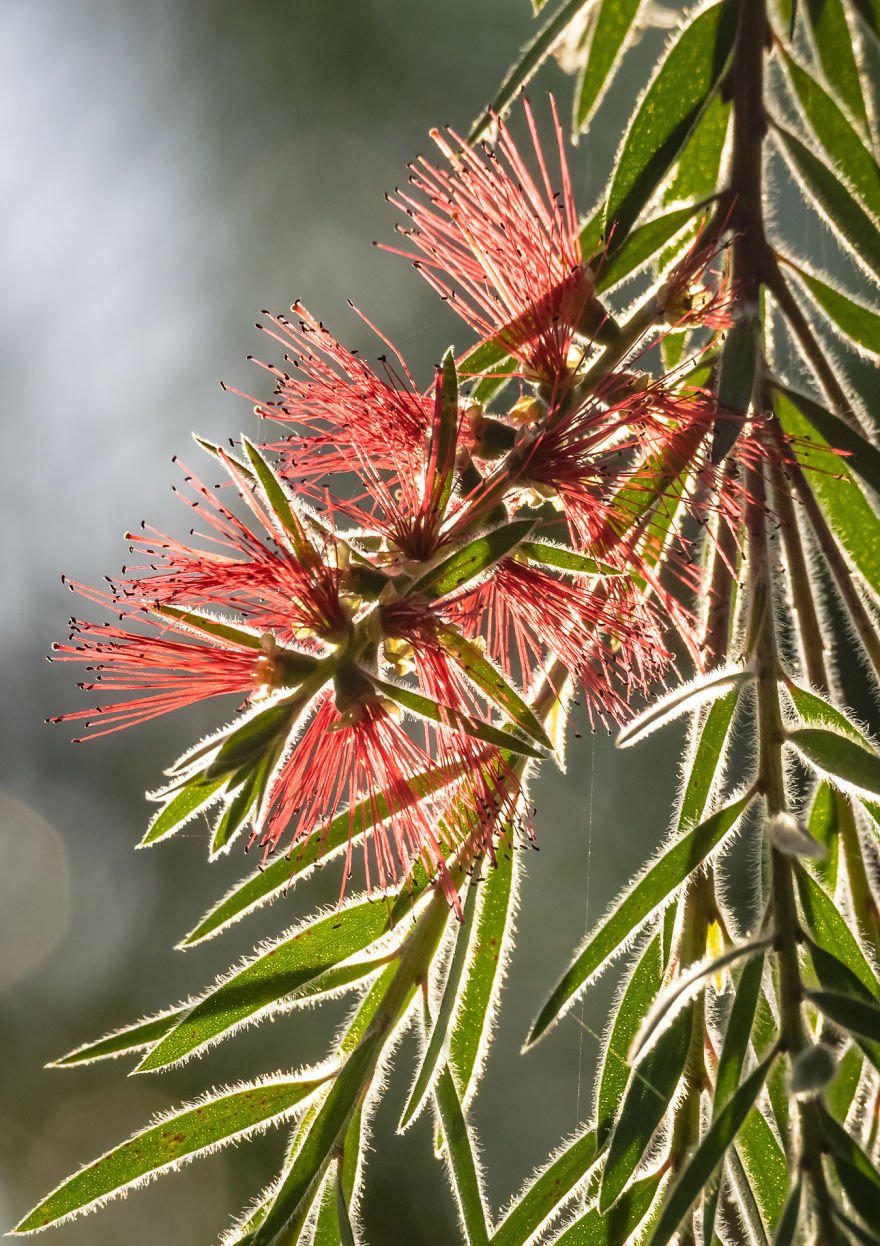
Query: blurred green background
169, 169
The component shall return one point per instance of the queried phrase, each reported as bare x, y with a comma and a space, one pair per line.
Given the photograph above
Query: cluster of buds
400, 645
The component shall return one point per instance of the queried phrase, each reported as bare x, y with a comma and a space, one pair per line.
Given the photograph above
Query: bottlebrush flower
267, 614
339, 413
503, 246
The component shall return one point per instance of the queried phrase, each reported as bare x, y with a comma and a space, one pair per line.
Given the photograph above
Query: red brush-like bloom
340, 414
503, 245
252, 573
174, 665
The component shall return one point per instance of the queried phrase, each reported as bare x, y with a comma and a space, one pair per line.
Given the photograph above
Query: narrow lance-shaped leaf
652, 1085
547, 1192
262, 982
858, 322
839, 757
473, 559
849, 1012
683, 988
736, 1042
547, 555
638, 995
682, 701
492, 684
612, 27
616, 263
433, 1058
789, 1221
843, 144
315, 1152
709, 1153
444, 434
196, 1128
182, 807
707, 758
829, 929
847, 509
735, 382
417, 703
765, 1162
530, 60
463, 1164
281, 507
834, 44
493, 935
668, 111
633, 909
844, 1147
323, 844
618, 1225
849, 221
861, 456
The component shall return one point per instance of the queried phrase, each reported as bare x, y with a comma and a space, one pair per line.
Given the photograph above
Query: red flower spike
342, 415
357, 756
502, 245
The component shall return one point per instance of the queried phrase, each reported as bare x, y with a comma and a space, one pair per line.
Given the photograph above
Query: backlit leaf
632, 910
473, 559
839, 757
858, 322
612, 27
196, 1128
666, 114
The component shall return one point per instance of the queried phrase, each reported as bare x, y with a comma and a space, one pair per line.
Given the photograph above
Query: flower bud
793, 840
812, 1070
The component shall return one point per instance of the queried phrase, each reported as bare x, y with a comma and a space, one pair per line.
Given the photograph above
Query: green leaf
849, 222
277, 972
635, 906
547, 555
651, 1088
259, 733
121, 1042
617, 263
547, 1191
433, 1057
472, 559
823, 826
682, 701
738, 1033
764, 1161
709, 1154
531, 58
842, 143
849, 1012
617, 1226
180, 1136
424, 707
696, 174
493, 936
237, 809
862, 457
839, 1095
612, 26
492, 684
669, 110
818, 712
858, 322
834, 44
789, 1220
836, 978
216, 628
839, 758
317, 1146
182, 807
322, 844
706, 760
640, 992
829, 929
845, 1148
864, 1237
280, 505
466, 1181
861, 1191
444, 435
327, 1228
845, 506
